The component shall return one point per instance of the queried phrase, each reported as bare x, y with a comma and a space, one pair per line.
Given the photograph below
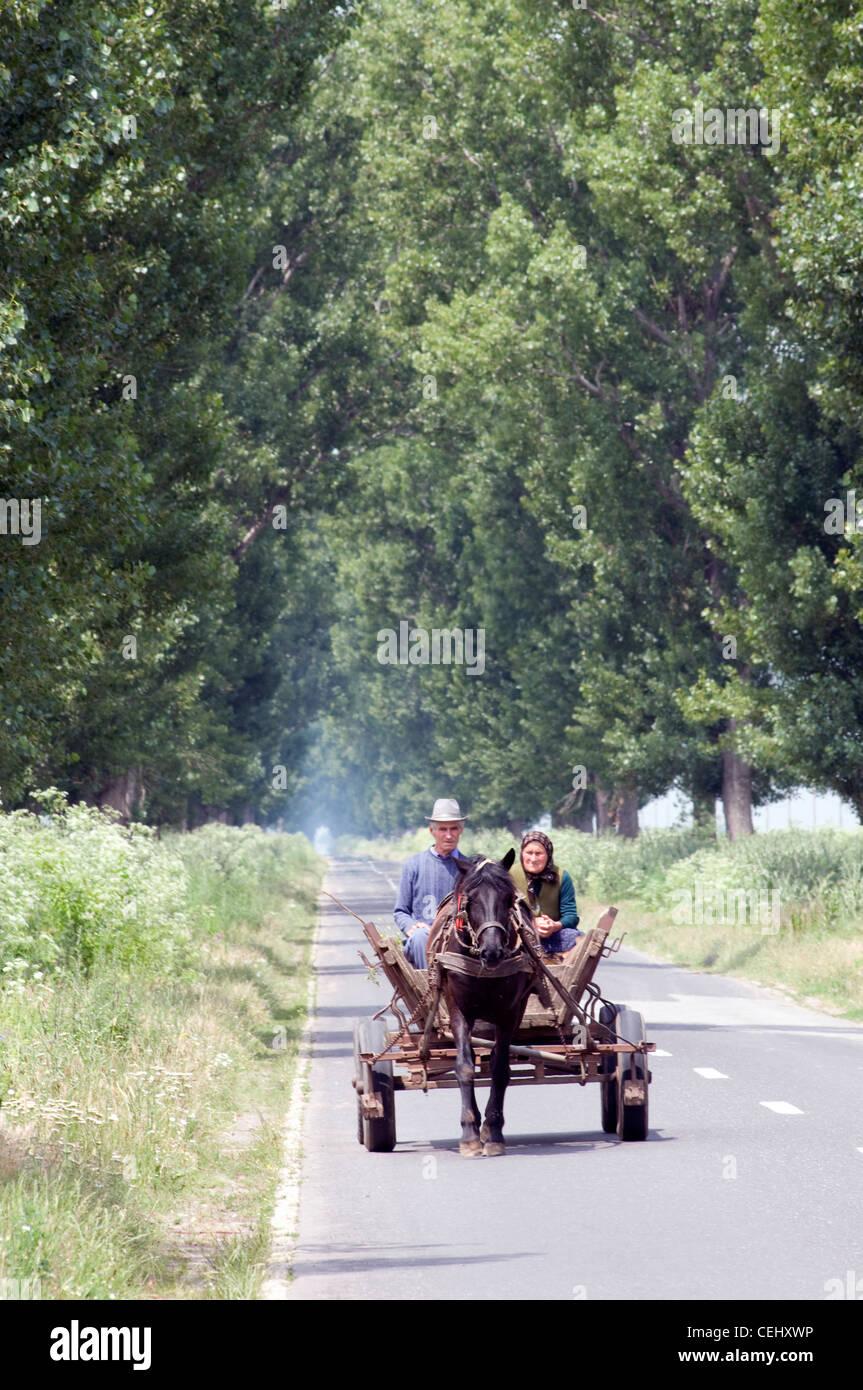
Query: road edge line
284, 1223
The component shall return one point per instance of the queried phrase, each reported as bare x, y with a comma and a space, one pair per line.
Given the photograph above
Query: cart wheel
608, 1067
631, 1119
378, 1132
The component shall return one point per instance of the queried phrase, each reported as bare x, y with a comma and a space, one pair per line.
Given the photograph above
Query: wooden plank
574, 976
409, 984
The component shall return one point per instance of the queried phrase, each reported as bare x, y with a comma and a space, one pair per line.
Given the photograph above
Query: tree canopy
512, 318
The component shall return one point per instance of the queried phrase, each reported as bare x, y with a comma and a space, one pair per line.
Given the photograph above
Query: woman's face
534, 857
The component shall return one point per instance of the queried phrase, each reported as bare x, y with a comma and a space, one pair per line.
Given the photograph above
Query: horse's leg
471, 1145
492, 1130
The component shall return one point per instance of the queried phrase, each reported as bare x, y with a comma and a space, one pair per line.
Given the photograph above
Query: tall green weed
78, 888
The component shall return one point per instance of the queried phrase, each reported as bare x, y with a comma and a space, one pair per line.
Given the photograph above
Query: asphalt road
749, 1186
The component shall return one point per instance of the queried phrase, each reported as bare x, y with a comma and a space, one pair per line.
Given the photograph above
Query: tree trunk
575, 812
704, 813
582, 818
736, 794
212, 815
617, 810
702, 793
604, 812
121, 793
627, 813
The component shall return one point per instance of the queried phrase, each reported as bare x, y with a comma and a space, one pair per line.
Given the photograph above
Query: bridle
462, 923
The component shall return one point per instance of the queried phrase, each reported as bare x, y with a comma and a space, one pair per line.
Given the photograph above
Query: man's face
445, 834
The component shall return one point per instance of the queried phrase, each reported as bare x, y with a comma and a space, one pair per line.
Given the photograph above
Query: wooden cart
580, 1038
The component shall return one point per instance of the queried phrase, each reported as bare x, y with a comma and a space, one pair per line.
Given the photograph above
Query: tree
571, 279
132, 142
772, 475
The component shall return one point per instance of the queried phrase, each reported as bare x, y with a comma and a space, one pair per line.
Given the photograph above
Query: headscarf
549, 873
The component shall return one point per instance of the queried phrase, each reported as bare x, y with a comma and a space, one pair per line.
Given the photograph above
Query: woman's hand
545, 926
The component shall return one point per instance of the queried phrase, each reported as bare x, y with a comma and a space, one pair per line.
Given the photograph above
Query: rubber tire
608, 1066
379, 1134
358, 1078
631, 1119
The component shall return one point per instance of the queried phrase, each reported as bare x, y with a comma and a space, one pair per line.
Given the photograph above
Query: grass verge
141, 1107
821, 969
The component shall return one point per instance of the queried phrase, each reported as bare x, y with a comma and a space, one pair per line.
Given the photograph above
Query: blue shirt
426, 880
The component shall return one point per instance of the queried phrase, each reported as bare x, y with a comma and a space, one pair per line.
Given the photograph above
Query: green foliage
600, 865
132, 143
572, 283
818, 875
821, 871
78, 889
608, 866
238, 873
401, 288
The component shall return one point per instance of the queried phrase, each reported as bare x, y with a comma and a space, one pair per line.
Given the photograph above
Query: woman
549, 892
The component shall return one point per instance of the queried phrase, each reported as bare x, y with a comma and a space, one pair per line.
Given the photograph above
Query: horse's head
485, 897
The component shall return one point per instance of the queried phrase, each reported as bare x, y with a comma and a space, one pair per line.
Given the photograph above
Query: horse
486, 976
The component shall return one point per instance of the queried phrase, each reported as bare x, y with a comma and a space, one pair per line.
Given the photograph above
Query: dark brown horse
487, 976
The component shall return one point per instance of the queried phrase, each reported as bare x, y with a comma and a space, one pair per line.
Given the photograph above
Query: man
427, 877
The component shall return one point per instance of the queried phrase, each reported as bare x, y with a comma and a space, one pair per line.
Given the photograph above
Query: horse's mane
491, 872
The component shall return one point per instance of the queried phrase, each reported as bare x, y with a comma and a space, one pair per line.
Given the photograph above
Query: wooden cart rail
410, 985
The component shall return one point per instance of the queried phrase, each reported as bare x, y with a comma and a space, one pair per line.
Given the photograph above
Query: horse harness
459, 926
522, 954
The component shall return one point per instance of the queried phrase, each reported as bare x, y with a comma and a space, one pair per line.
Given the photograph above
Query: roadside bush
237, 872
77, 887
817, 873
599, 864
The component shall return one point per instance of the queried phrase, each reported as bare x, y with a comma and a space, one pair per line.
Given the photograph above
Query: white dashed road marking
383, 875
710, 1073
781, 1107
